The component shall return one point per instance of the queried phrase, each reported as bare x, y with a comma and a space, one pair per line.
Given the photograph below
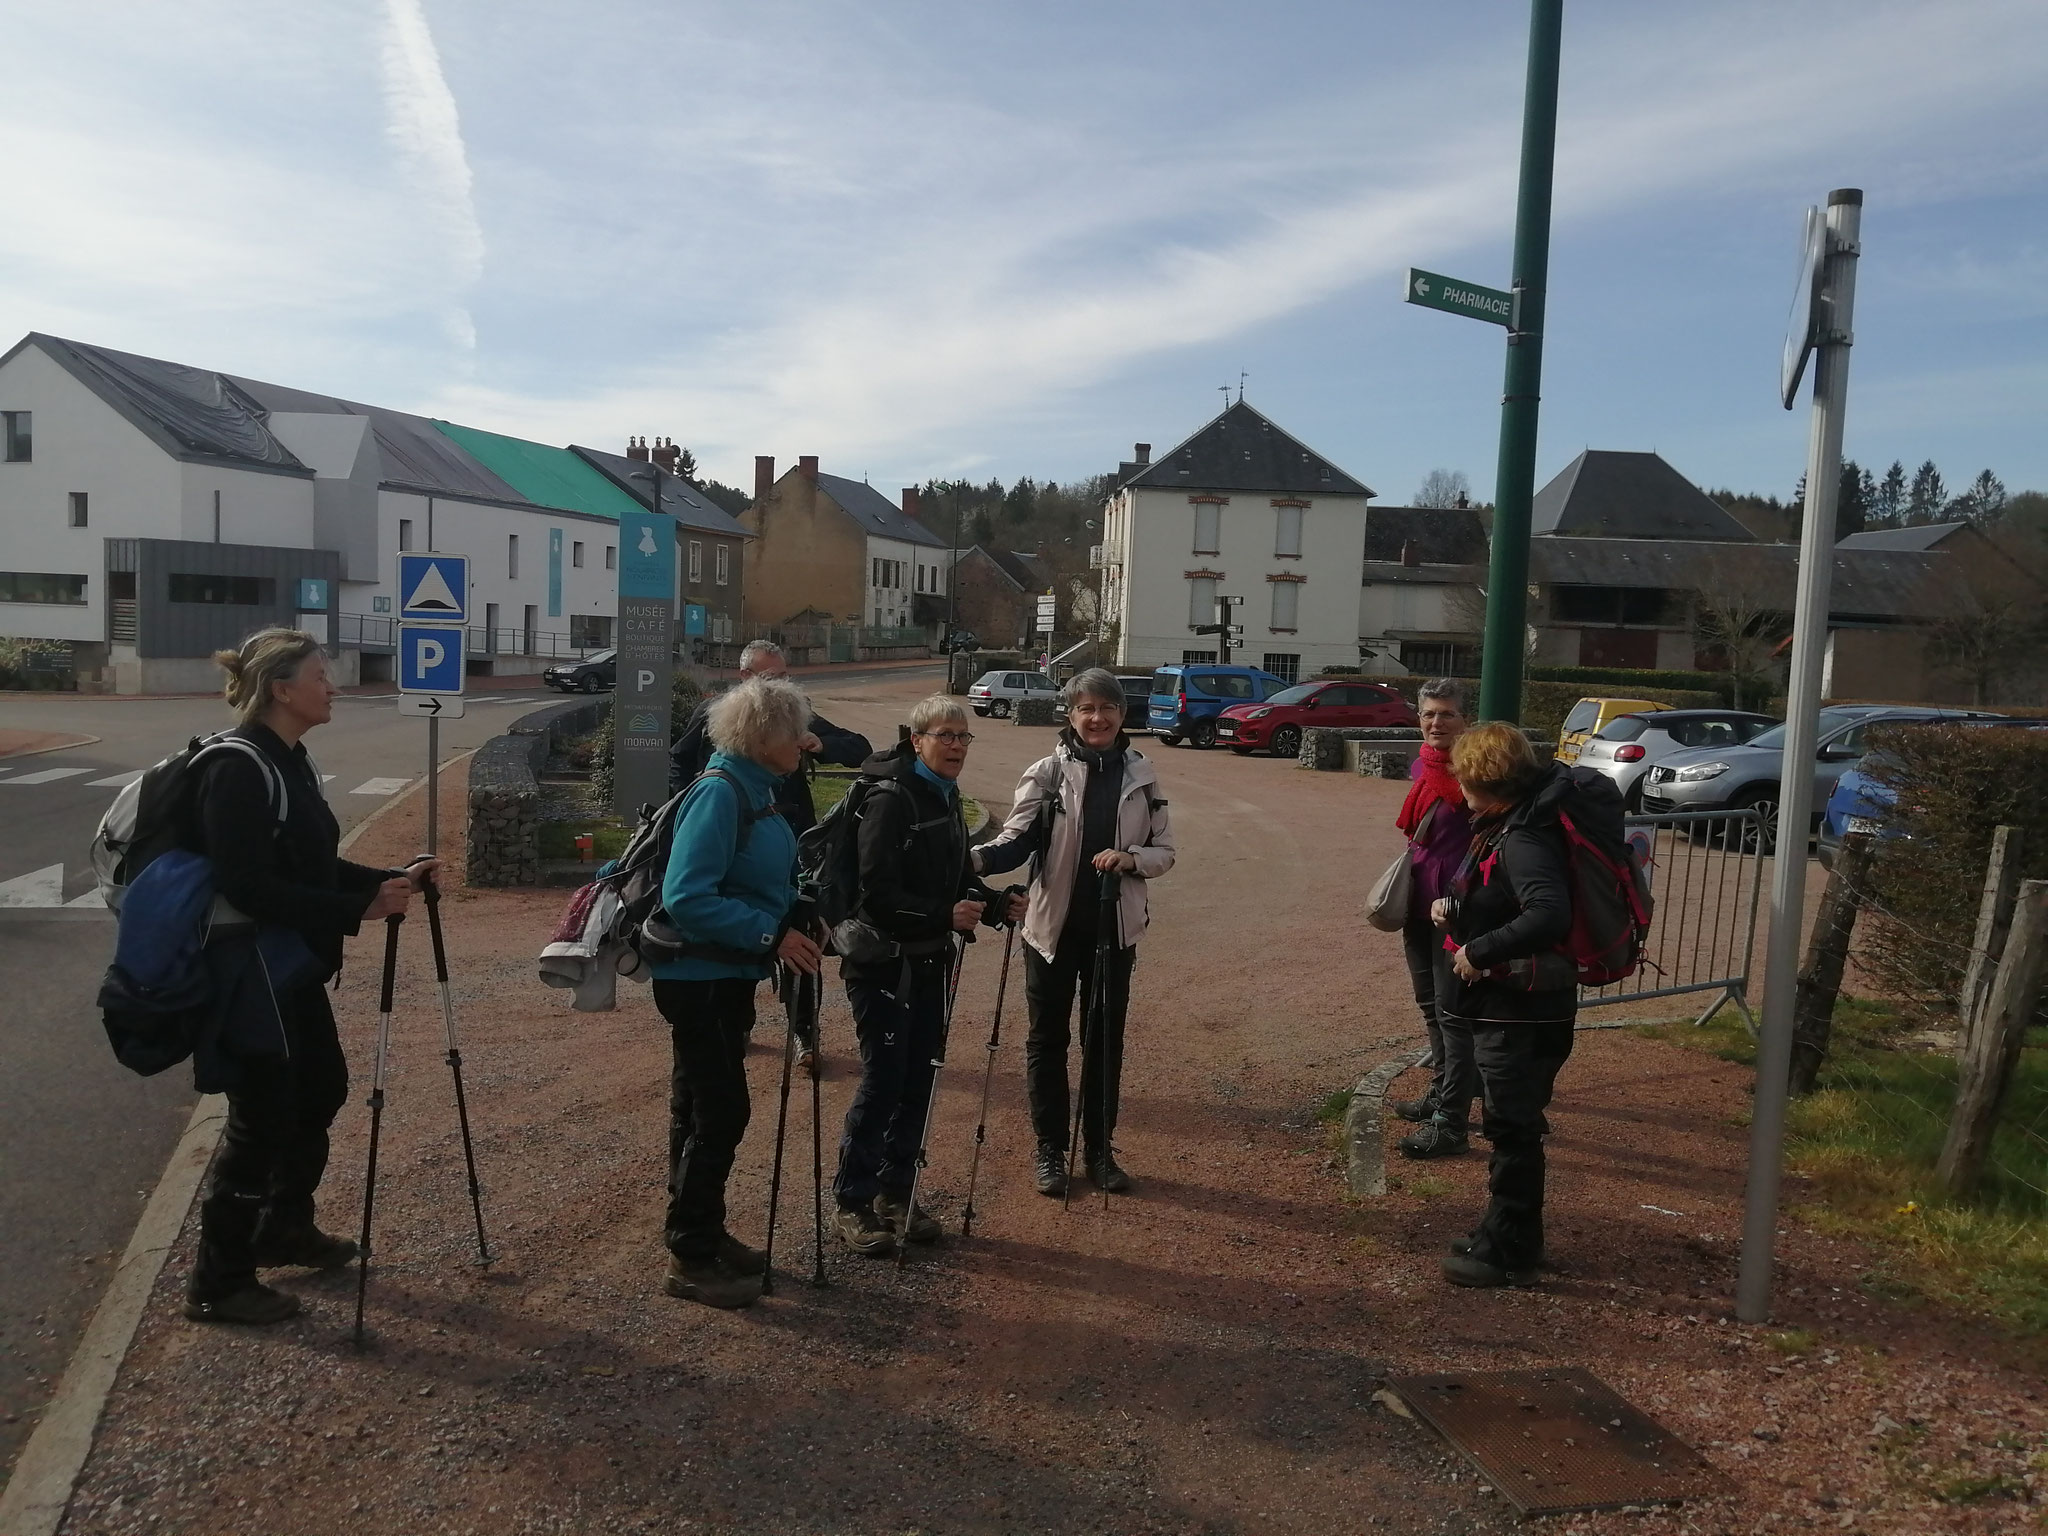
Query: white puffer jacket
1142, 831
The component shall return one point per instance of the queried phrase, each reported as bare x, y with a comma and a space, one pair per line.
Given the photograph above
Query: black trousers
1456, 1081
901, 1034
274, 1150
708, 1104
1518, 1066
1050, 988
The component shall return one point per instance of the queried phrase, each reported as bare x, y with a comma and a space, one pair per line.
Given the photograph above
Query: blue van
1188, 696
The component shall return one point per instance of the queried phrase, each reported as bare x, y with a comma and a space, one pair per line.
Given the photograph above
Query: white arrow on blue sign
433, 589
429, 658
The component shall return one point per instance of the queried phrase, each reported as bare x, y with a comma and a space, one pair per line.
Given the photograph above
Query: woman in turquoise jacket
729, 891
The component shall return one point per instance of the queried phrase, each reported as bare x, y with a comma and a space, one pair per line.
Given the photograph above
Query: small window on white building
511, 557
17, 429
78, 509
1287, 532
1286, 607
1208, 527
696, 559
405, 533
611, 557
1201, 600
722, 564
920, 575
576, 553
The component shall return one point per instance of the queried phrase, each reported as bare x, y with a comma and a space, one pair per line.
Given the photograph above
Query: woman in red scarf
1439, 830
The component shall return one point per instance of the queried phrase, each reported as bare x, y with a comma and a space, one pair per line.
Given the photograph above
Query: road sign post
1821, 321
431, 671
643, 696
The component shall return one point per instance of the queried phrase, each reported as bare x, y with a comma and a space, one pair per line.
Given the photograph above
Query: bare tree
1738, 613
1992, 628
1444, 488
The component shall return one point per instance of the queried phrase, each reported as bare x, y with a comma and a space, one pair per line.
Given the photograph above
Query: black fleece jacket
913, 854
1511, 909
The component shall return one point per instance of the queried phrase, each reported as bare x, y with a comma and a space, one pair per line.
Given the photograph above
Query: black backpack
144, 820
640, 869
828, 869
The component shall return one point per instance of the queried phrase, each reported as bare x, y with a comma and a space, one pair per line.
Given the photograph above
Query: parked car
1277, 724
962, 640
592, 674
1588, 717
1862, 801
998, 693
1188, 696
1629, 746
1747, 776
1137, 698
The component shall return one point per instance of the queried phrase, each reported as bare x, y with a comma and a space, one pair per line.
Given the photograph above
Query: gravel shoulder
1201, 1357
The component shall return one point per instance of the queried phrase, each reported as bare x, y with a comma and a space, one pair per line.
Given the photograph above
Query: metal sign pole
1795, 792
433, 773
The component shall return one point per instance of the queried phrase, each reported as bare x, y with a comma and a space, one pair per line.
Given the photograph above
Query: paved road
82, 1140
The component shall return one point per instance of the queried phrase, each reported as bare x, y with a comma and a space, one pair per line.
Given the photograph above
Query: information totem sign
646, 660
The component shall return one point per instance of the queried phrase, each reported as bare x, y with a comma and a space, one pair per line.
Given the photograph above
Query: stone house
1420, 608
996, 595
836, 549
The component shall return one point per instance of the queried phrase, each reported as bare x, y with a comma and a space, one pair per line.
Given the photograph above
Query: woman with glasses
1090, 810
916, 891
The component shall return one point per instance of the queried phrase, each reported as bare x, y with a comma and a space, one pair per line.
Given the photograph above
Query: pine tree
1851, 509
1888, 506
1985, 500
1927, 496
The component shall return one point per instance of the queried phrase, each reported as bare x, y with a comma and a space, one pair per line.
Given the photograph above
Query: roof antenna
1241, 377
1226, 395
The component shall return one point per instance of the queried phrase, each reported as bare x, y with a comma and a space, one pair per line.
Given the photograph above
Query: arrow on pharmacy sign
1433, 290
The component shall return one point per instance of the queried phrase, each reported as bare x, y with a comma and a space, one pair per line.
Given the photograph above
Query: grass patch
1868, 1141
1794, 1342
1334, 1106
1426, 1186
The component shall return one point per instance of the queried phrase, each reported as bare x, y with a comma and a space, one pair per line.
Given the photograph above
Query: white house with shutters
1241, 510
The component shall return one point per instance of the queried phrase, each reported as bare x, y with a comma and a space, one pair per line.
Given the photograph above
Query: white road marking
116, 780
326, 778
40, 888
380, 786
91, 898
49, 775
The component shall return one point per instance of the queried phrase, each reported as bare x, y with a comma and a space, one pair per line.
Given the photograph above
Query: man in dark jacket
917, 890
826, 743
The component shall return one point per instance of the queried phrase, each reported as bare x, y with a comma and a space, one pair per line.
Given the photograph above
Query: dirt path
1200, 1358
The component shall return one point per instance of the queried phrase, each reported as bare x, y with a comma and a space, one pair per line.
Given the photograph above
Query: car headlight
1257, 714
1698, 772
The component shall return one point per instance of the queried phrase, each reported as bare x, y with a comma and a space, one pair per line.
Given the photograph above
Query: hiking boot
909, 1221
739, 1258
1106, 1176
307, 1248
711, 1281
1049, 1170
254, 1305
1462, 1247
807, 1060
864, 1232
1470, 1269
1434, 1138
1413, 1109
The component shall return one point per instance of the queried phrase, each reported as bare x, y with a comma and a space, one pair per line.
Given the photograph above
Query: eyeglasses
950, 738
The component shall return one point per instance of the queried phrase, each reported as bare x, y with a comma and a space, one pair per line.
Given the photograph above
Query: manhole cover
1556, 1441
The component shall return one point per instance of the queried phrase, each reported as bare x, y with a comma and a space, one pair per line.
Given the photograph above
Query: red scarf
1436, 783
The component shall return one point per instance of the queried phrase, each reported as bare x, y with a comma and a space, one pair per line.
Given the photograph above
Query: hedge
1955, 785
1625, 680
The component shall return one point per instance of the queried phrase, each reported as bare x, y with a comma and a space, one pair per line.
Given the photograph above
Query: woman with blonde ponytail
287, 1082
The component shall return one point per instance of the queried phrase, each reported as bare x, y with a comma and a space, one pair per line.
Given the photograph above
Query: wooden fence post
1820, 978
1994, 1048
1994, 917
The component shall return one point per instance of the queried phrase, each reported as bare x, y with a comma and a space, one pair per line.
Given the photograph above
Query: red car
1277, 724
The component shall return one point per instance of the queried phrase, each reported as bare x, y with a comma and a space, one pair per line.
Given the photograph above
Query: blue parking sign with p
429, 658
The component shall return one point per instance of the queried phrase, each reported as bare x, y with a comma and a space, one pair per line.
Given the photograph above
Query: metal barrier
1706, 878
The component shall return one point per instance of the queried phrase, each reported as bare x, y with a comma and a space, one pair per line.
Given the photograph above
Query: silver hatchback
999, 693
1629, 746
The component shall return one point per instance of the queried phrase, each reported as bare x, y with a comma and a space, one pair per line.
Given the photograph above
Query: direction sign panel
433, 589
432, 706
1435, 291
1802, 329
429, 658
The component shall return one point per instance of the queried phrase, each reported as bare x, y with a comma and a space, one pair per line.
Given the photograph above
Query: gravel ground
1202, 1357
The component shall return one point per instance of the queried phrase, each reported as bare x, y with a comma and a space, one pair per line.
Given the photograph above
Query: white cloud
426, 130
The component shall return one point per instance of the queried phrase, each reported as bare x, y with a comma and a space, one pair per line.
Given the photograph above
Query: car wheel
1000, 708
1762, 838
1287, 741
981, 710
591, 684
1203, 735
1168, 739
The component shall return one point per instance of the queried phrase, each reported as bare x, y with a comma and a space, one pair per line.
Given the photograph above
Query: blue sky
924, 239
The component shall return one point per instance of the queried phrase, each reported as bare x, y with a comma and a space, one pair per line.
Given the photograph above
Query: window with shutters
696, 560
722, 565
1287, 532
1202, 600
1208, 527
1286, 607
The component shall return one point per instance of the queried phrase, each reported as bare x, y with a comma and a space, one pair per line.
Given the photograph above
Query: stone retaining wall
1322, 746
504, 791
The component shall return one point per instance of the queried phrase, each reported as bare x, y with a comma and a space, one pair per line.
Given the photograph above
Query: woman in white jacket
1089, 811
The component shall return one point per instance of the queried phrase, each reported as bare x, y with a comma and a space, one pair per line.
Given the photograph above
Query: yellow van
1589, 715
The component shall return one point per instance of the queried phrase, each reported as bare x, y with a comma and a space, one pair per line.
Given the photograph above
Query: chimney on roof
1141, 453
764, 475
808, 463
1410, 555
910, 502
636, 449
667, 454
1464, 502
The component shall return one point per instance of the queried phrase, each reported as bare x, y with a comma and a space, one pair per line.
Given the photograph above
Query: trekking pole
376, 1111
988, 1072
432, 891
956, 964
788, 988
1106, 947
811, 990
1093, 1012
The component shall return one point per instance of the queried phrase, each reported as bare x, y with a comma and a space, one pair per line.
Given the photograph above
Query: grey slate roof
1442, 535
1867, 584
1026, 572
877, 513
1241, 450
191, 413
1927, 536
680, 499
1604, 493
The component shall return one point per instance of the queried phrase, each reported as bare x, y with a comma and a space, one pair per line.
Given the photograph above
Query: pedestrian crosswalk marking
380, 786
39, 888
116, 780
47, 776
91, 898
